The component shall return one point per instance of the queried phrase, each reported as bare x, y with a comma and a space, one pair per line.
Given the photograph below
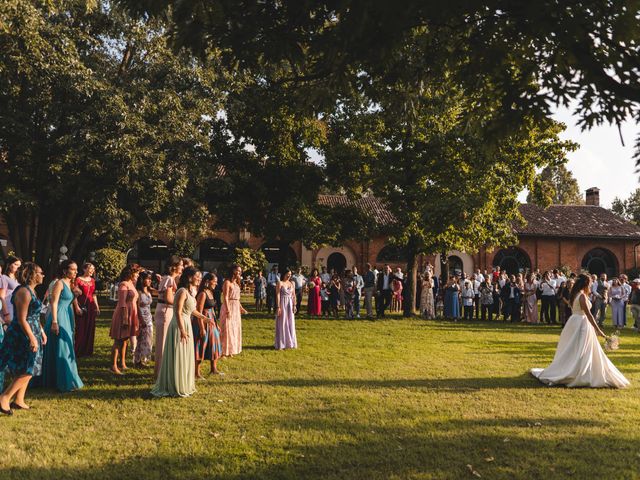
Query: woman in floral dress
21, 350
142, 354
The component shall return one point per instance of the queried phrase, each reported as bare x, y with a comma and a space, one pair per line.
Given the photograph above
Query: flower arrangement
612, 342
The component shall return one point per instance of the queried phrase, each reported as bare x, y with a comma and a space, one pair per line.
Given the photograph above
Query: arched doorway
337, 262
600, 260
456, 266
279, 253
213, 253
512, 260
149, 253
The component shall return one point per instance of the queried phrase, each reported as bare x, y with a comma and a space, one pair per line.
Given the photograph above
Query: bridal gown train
580, 360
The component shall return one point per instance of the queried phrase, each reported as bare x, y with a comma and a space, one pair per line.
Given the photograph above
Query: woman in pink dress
530, 299
230, 314
314, 305
164, 309
124, 323
89, 310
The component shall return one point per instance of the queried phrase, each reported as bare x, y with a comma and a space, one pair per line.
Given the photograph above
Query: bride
580, 360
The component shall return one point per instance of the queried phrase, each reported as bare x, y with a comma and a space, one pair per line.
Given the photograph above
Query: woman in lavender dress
145, 334
285, 321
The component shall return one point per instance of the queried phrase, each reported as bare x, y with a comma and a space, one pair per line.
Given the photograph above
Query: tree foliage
104, 130
447, 185
109, 263
628, 208
252, 261
555, 185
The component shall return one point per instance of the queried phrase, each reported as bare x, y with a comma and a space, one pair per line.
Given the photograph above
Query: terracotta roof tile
381, 215
575, 221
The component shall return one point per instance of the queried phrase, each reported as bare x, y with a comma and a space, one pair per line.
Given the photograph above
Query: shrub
109, 263
251, 261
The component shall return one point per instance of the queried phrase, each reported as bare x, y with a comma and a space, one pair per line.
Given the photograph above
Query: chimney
593, 196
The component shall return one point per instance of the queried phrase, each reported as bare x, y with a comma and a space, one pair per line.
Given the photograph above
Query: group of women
44, 338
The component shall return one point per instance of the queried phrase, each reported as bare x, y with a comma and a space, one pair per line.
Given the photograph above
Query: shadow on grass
357, 448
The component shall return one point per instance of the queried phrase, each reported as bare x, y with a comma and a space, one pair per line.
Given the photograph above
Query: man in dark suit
383, 291
511, 300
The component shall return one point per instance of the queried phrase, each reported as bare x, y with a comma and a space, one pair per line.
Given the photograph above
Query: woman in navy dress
21, 350
59, 368
206, 333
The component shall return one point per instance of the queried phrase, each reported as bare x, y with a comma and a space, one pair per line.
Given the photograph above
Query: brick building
581, 237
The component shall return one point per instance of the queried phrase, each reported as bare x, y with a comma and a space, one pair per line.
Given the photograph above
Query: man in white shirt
325, 277
358, 284
272, 280
548, 299
299, 281
398, 273
479, 276
383, 291
475, 284
624, 281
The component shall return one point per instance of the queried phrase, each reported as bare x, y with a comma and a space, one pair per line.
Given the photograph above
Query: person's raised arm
587, 312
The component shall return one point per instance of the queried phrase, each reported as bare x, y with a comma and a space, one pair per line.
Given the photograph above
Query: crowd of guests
44, 338
198, 320
531, 297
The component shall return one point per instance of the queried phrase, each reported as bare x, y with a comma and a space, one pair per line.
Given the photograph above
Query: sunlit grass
358, 399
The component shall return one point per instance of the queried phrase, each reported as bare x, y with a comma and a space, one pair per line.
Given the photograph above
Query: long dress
10, 285
86, 322
260, 288
59, 368
314, 306
145, 332
15, 353
127, 305
531, 302
231, 323
162, 318
209, 347
177, 376
426, 300
286, 322
451, 303
580, 361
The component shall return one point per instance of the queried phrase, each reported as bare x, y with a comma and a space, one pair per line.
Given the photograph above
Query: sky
601, 161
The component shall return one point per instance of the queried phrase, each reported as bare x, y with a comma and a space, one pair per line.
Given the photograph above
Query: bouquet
612, 342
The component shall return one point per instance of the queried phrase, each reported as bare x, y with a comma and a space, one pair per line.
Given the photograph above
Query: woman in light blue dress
59, 368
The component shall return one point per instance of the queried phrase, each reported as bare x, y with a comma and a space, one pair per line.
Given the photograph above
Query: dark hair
173, 263
314, 272
207, 278
27, 272
86, 265
580, 284
64, 266
186, 276
285, 271
10, 259
187, 262
129, 271
232, 270
143, 276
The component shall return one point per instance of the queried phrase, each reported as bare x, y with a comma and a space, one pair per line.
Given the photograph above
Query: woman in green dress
176, 377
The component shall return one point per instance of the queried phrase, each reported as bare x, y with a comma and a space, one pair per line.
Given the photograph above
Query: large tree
104, 131
526, 55
555, 184
447, 185
628, 208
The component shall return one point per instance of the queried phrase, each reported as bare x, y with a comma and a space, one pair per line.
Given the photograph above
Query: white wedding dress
580, 360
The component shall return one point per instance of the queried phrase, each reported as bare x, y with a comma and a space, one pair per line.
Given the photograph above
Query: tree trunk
409, 300
444, 269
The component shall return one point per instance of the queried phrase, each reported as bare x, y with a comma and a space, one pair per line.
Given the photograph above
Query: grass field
366, 400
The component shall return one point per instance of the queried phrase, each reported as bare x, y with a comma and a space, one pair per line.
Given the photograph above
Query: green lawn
358, 399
